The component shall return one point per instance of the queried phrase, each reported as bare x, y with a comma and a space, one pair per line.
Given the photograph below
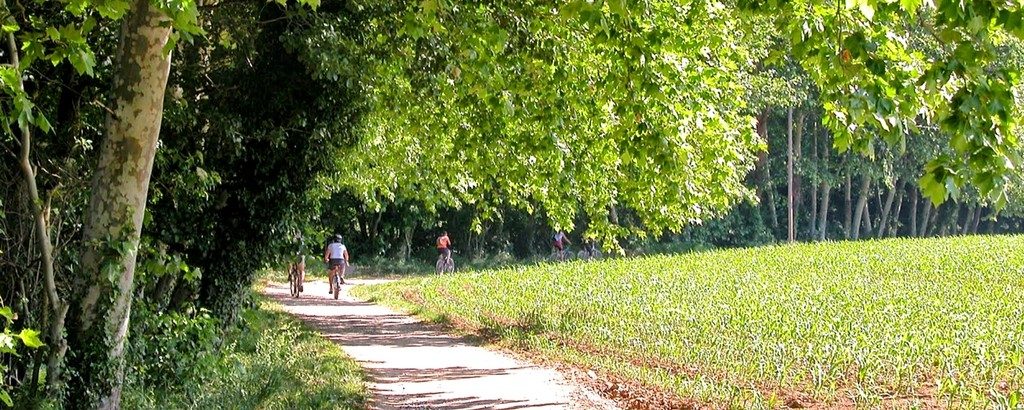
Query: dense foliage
386, 121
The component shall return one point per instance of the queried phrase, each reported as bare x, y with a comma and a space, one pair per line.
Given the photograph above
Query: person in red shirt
444, 246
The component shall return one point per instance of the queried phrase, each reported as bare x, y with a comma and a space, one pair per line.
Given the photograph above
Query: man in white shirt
336, 255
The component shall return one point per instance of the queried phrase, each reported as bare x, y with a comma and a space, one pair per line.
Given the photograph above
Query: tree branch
45, 246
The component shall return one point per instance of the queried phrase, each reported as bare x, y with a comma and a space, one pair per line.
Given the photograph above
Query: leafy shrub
267, 360
170, 347
9, 343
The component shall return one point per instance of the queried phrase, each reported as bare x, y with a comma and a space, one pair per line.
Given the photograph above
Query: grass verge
893, 323
272, 362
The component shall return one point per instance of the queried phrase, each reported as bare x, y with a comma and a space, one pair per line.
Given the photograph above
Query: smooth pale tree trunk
965, 228
891, 228
773, 213
798, 180
925, 214
767, 190
98, 325
375, 226
613, 214
878, 206
813, 229
791, 194
914, 194
977, 220
866, 220
862, 202
826, 192
889, 198
814, 185
406, 251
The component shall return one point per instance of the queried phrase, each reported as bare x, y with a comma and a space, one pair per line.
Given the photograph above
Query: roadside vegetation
894, 323
270, 361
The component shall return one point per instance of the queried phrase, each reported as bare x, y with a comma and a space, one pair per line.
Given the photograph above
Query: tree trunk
826, 193
798, 180
790, 196
406, 243
977, 219
375, 226
922, 230
813, 229
848, 204
183, 292
891, 228
815, 185
363, 222
867, 220
889, 197
968, 218
98, 326
773, 213
862, 202
766, 188
949, 218
914, 194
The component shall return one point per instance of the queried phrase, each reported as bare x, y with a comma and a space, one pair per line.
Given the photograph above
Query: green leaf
43, 124
7, 312
7, 344
428, 6
866, 9
910, 6
618, 7
6, 398
30, 338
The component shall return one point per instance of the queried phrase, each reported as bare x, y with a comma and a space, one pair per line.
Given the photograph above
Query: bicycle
295, 274
583, 255
563, 255
297, 270
336, 278
445, 264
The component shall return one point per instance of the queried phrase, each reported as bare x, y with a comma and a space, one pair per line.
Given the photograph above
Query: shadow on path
413, 365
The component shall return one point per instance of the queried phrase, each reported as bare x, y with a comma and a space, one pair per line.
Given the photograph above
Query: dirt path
413, 365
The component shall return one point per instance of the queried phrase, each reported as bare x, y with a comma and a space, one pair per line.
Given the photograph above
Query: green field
893, 323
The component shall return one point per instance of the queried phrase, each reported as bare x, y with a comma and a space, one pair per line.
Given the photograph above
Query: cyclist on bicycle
336, 255
590, 248
558, 242
444, 246
300, 271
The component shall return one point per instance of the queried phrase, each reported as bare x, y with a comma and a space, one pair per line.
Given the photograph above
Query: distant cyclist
558, 242
590, 249
444, 246
336, 255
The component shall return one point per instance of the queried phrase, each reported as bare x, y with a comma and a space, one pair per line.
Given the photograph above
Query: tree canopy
278, 116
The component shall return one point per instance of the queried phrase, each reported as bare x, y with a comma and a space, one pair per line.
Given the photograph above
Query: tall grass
893, 323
